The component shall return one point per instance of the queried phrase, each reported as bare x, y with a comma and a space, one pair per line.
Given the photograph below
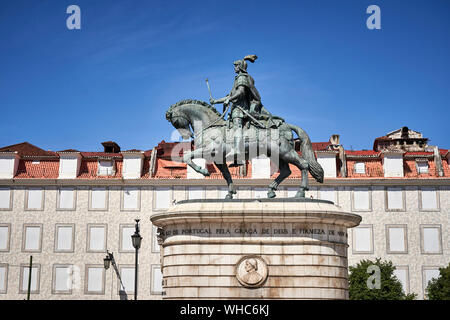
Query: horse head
187, 114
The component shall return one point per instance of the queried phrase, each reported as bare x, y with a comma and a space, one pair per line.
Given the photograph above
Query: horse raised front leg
197, 153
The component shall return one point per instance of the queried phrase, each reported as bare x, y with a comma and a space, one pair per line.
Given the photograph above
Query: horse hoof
229, 196
300, 194
271, 194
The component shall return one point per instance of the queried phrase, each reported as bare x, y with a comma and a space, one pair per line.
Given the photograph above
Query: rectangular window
4, 237
422, 167
126, 244
260, 168
429, 273
127, 276
429, 198
360, 167
162, 198
97, 238
95, 276
396, 239
327, 194
195, 193
32, 238
431, 239
66, 197
259, 193
64, 238
131, 198
62, 279
25, 271
5, 198
3, 278
35, 199
361, 199
99, 198
105, 168
156, 280
402, 275
394, 198
362, 239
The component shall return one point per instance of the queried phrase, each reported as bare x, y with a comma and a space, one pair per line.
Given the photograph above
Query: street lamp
107, 260
136, 239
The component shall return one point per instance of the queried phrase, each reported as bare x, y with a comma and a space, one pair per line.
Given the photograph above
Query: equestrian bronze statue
249, 131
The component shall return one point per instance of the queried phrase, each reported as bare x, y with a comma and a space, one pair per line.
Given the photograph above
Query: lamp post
136, 239
107, 261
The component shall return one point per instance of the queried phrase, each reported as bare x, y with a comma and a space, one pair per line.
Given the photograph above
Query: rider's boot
237, 150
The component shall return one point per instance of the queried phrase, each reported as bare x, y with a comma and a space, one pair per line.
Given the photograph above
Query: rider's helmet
242, 64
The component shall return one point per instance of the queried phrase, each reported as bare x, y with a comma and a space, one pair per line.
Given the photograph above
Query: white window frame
58, 199
386, 201
405, 238
171, 197
8, 237
424, 284
42, 200
356, 167
121, 227
152, 291
11, 198
406, 268
71, 275
129, 291
418, 167
335, 193
122, 199
438, 206
88, 237
86, 277
5, 284
422, 238
61, 225
38, 278
369, 191
361, 226
107, 171
24, 236
105, 208
202, 191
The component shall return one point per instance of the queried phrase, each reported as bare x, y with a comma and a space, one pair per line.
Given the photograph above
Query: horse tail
315, 168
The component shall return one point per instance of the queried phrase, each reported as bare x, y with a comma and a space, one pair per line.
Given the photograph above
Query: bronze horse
209, 131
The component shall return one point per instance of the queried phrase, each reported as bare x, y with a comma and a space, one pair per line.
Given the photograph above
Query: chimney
111, 147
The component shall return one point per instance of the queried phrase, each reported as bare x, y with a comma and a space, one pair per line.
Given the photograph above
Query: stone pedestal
254, 249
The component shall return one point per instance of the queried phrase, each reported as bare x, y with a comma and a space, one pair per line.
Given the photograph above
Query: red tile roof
26, 149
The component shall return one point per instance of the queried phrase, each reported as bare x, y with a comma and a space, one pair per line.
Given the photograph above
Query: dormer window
106, 168
422, 166
360, 167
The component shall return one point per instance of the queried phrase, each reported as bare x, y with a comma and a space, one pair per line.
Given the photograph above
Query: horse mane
190, 101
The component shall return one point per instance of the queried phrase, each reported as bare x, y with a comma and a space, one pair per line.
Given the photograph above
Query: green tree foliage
439, 289
387, 288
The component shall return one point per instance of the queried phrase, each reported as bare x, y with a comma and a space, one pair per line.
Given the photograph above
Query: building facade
67, 208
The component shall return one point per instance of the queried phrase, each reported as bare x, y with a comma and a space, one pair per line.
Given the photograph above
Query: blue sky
319, 67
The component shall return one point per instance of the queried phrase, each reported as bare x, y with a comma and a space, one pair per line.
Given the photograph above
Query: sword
251, 117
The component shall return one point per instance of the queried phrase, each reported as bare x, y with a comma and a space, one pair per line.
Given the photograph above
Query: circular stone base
254, 249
